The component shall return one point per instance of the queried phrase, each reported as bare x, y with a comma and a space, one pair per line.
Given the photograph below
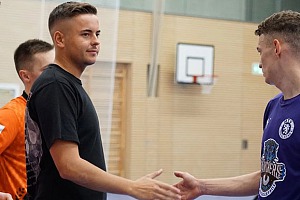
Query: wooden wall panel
95, 79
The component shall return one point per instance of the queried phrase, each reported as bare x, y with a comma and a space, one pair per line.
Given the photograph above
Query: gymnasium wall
183, 129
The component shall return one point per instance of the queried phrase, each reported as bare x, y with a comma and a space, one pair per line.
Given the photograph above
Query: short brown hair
284, 24
25, 52
68, 10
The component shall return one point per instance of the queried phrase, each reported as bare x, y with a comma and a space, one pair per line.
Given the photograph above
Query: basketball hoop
195, 79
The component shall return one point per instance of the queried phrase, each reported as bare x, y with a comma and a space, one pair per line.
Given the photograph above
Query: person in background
31, 58
278, 178
63, 139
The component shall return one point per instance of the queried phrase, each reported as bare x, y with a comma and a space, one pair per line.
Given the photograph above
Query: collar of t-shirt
24, 95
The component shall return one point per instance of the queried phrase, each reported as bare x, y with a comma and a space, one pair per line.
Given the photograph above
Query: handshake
147, 187
189, 187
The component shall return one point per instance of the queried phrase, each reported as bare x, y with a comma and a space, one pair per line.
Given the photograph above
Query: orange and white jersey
12, 148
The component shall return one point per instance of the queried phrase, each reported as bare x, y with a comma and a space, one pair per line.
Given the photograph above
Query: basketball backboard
195, 64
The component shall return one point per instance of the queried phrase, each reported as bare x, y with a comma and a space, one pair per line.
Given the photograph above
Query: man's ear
58, 38
277, 46
23, 74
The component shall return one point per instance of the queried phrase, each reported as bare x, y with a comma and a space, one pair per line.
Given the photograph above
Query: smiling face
78, 40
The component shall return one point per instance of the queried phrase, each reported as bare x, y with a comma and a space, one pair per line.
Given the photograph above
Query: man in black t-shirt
63, 140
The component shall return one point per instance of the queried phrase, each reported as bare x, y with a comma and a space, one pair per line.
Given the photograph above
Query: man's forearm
244, 185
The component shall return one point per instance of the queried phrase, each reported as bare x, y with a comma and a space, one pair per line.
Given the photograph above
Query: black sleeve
55, 108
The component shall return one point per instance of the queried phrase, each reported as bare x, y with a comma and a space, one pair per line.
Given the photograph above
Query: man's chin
269, 82
90, 62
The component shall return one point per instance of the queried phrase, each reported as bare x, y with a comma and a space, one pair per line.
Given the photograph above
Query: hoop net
206, 89
207, 82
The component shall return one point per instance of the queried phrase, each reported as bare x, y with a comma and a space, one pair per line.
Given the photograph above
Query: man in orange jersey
31, 58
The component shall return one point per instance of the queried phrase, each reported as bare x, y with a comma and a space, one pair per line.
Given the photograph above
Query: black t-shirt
59, 108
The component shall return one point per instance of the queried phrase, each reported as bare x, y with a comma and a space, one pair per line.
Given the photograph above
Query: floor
123, 197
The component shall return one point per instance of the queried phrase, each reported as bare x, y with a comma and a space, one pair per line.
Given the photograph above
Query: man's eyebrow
89, 30
86, 30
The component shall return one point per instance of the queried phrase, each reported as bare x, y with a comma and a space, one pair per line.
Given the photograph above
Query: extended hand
146, 188
189, 186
